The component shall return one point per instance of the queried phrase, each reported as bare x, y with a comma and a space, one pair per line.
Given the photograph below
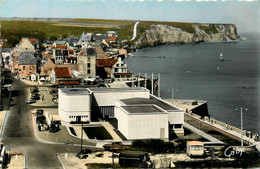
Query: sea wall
160, 34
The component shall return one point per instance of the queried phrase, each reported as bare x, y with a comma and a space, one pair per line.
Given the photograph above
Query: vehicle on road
92, 80
115, 146
135, 159
30, 101
195, 148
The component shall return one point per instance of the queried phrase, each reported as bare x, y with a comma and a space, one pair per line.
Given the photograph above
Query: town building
6, 56
85, 38
62, 76
46, 69
25, 45
27, 64
58, 56
87, 62
1, 74
14, 63
105, 66
119, 69
75, 104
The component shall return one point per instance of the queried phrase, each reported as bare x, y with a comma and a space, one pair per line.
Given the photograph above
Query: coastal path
134, 31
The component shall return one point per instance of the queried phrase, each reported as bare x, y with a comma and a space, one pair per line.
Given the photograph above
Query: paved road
19, 135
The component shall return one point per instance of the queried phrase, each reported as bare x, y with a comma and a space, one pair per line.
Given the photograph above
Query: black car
36, 96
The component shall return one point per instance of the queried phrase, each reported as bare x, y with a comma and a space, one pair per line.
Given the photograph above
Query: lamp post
159, 84
241, 112
152, 85
242, 130
81, 139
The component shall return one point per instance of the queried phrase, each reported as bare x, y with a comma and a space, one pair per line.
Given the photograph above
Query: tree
53, 38
64, 36
13, 40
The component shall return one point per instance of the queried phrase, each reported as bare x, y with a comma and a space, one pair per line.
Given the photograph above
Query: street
19, 135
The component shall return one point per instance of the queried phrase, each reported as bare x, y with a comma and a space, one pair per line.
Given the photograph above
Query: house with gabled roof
25, 45
46, 70
62, 76
105, 66
85, 38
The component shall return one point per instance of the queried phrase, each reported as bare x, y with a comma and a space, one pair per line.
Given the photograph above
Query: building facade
142, 122
87, 62
27, 64
75, 104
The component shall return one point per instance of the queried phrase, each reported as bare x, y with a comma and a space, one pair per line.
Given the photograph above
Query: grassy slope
103, 21
48, 28
125, 32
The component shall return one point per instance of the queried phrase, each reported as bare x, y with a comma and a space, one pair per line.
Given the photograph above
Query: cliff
159, 34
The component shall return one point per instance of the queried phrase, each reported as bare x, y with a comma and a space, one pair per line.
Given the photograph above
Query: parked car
135, 159
36, 96
30, 101
34, 89
91, 80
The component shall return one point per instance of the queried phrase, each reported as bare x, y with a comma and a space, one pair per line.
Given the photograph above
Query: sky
244, 13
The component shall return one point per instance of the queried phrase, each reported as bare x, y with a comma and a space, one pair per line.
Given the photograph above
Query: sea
195, 71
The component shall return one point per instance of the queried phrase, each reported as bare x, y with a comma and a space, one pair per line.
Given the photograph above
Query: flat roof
161, 104
142, 109
75, 91
103, 89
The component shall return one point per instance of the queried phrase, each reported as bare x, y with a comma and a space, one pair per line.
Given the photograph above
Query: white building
139, 115
142, 122
119, 68
75, 104
104, 99
175, 116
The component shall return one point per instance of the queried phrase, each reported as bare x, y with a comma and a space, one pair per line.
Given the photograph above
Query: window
88, 64
88, 59
117, 65
88, 71
30, 67
23, 67
122, 65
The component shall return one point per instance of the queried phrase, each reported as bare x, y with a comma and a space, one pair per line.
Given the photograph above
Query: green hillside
17, 28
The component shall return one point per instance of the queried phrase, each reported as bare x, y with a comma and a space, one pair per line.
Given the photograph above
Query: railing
249, 134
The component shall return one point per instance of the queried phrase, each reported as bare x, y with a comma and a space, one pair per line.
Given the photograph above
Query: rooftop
143, 109
108, 62
75, 91
62, 72
161, 104
118, 89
